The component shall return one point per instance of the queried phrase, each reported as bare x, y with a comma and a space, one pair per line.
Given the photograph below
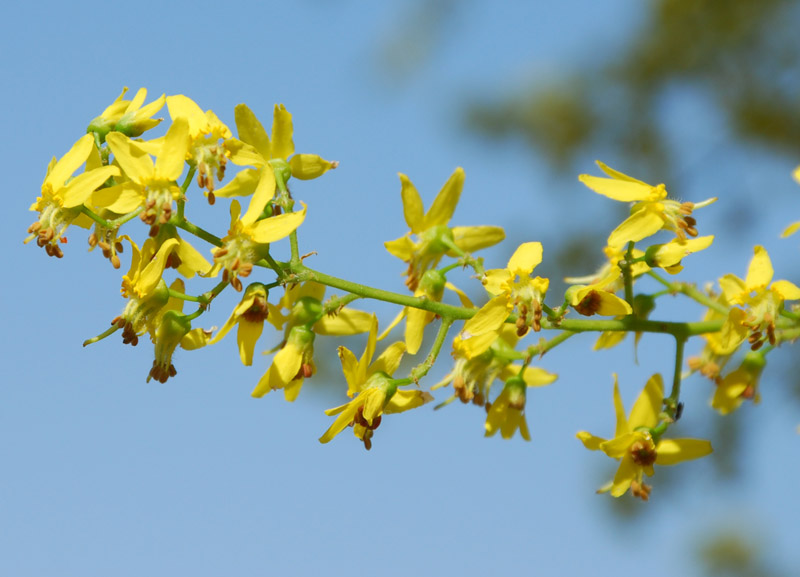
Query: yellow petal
180, 106
282, 132
617, 174
609, 340
462, 297
246, 338
346, 415
346, 322
243, 184
194, 339
648, 405
527, 256
641, 224
759, 273
389, 359
674, 251
590, 441
488, 319
622, 426
278, 227
69, 163
81, 187
496, 281
191, 261
396, 321
285, 366
672, 451
445, 202
416, 320
350, 370
611, 305
625, 475
309, 166
622, 190
791, 229
263, 193
251, 131
472, 238
135, 162
734, 289
413, 210
170, 161
243, 154
787, 290
151, 274
537, 377
405, 400
732, 334
374, 399
402, 248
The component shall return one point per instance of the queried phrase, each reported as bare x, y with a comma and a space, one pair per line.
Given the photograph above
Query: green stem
209, 296
197, 231
691, 292
184, 297
627, 275
542, 348
422, 369
184, 187
114, 223
671, 402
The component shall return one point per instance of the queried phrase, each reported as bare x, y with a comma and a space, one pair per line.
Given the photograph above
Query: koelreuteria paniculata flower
134, 191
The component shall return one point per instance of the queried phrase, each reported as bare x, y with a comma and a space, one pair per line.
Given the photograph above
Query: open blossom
275, 156
373, 390
300, 314
151, 185
652, 210
739, 385
434, 238
514, 288
636, 446
62, 196
761, 300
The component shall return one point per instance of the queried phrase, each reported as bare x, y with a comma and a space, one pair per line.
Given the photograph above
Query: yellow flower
151, 185
249, 315
669, 256
171, 329
205, 150
507, 412
434, 237
739, 385
301, 323
374, 390
762, 304
127, 116
636, 445
472, 378
651, 212
62, 196
598, 298
248, 239
514, 288
254, 148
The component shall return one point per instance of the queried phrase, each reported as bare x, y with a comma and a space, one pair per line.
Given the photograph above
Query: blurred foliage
740, 53
730, 554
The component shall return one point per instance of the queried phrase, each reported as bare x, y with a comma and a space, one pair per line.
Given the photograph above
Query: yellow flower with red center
507, 413
276, 156
652, 210
151, 185
513, 288
249, 315
373, 389
762, 301
637, 445
206, 132
63, 196
434, 238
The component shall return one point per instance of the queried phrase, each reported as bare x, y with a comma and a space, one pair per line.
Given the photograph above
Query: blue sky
105, 474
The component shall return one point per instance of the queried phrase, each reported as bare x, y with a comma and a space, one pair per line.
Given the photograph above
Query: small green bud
306, 310
432, 284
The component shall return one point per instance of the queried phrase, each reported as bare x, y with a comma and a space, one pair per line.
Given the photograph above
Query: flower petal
590, 441
759, 273
787, 290
309, 166
282, 133
639, 225
621, 190
402, 248
81, 187
70, 162
527, 257
246, 338
413, 209
405, 400
648, 405
444, 205
251, 131
472, 238
672, 451
346, 322
389, 359
134, 161
278, 227
622, 426
170, 161
263, 193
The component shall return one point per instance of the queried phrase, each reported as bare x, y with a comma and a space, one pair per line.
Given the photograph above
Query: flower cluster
115, 173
